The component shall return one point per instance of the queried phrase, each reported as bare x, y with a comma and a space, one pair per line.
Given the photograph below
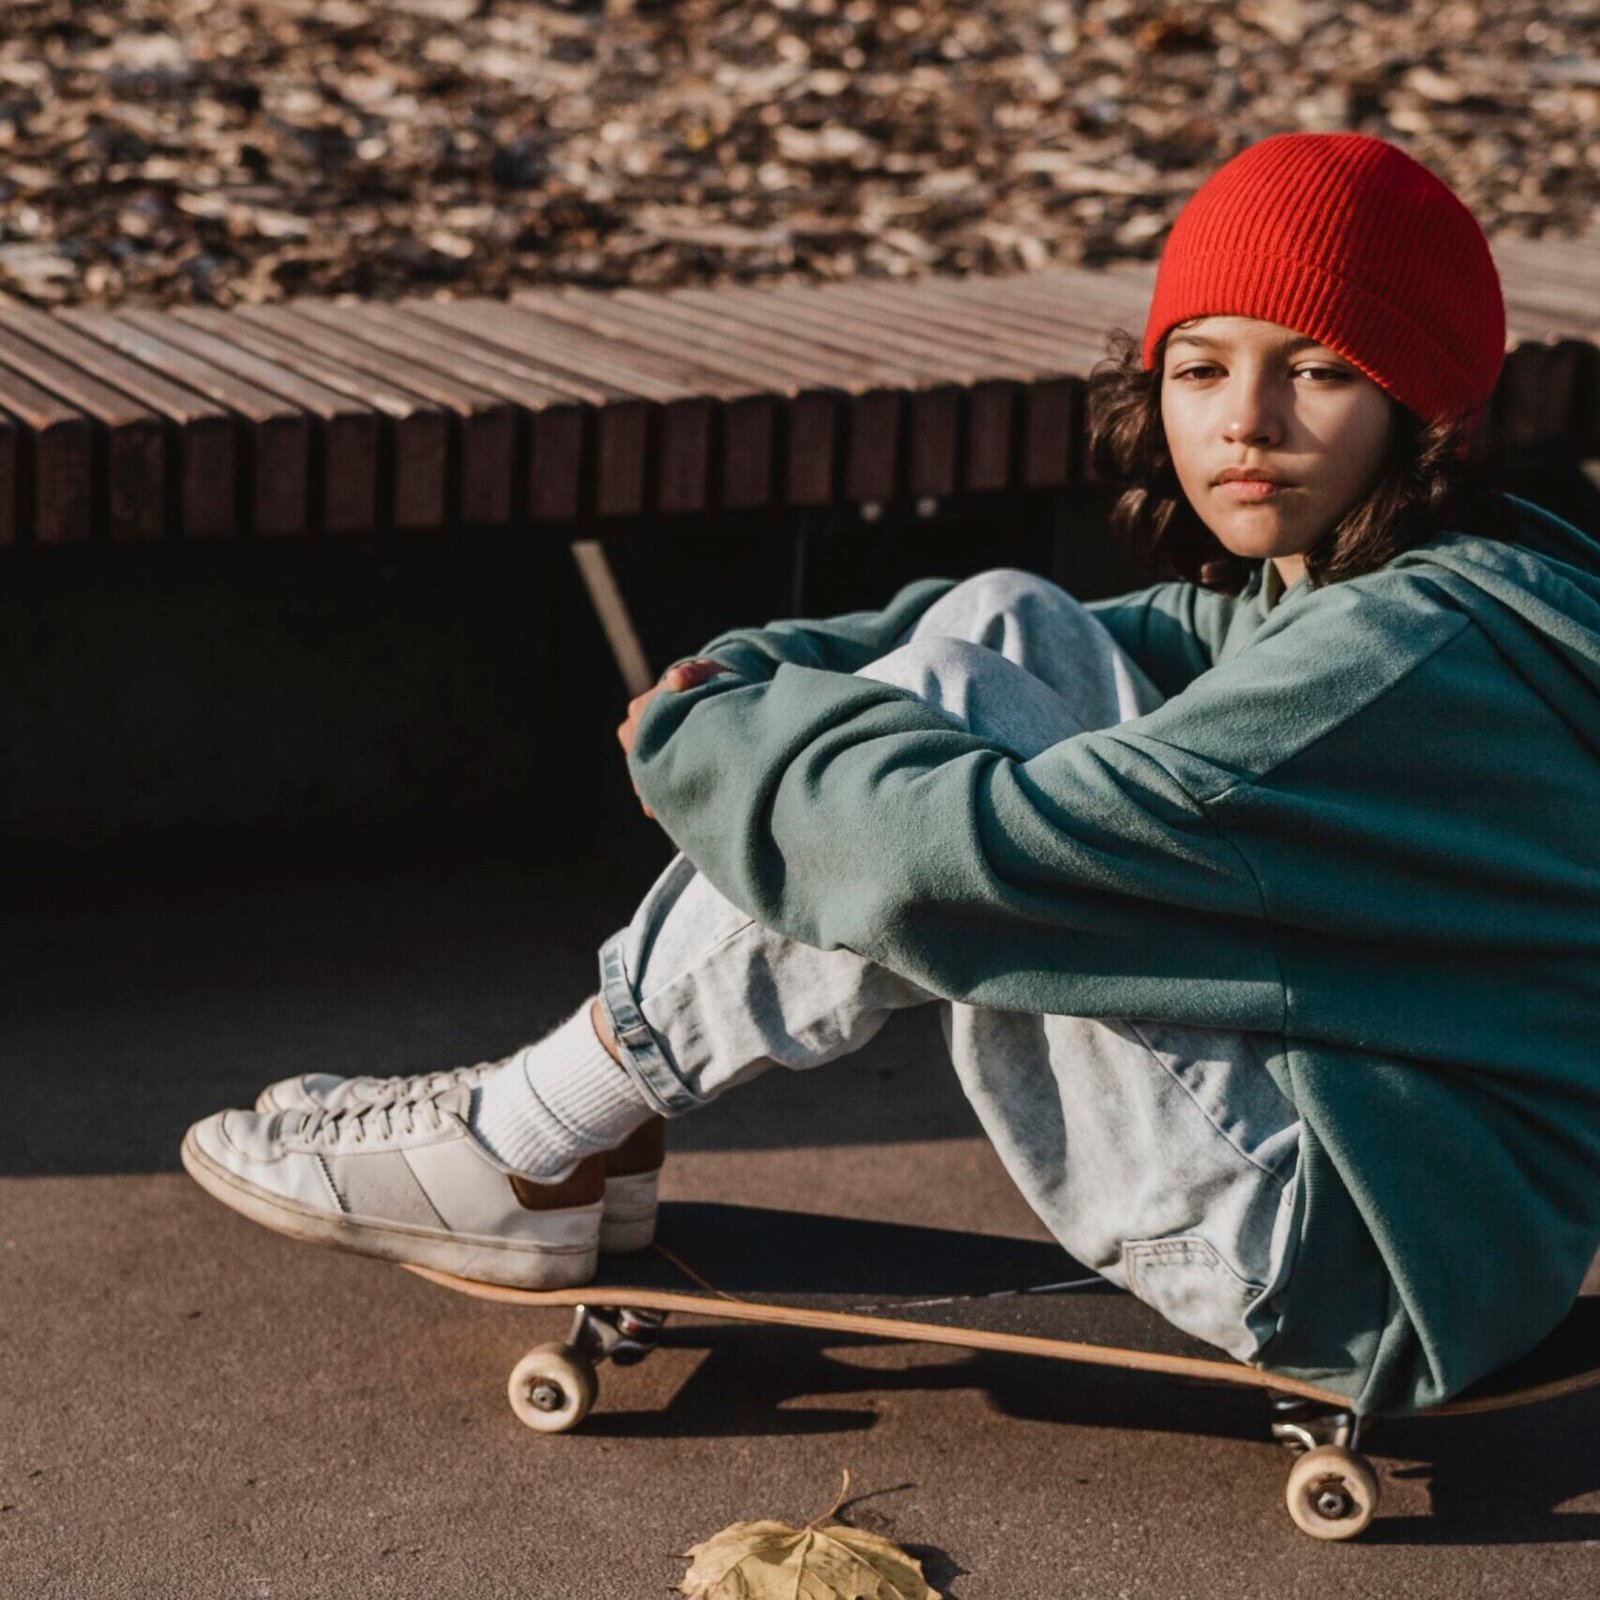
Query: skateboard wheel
552, 1388
1332, 1492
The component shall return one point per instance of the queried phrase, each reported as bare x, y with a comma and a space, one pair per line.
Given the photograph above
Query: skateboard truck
622, 1337
1332, 1490
553, 1387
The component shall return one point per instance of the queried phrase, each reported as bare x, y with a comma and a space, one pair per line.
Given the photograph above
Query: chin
1256, 547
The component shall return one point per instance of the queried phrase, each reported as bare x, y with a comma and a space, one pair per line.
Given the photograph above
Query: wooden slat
884, 395
564, 404
993, 405
276, 435
820, 396
1083, 312
1048, 454
748, 391
975, 354
617, 448
559, 409
344, 476
127, 475
416, 439
1564, 273
1043, 401
640, 417
949, 367
202, 449
484, 433
933, 408
1074, 335
873, 446
10, 479
1542, 398
684, 420
1061, 322
1033, 367
56, 463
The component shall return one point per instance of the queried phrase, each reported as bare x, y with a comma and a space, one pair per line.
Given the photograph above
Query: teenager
1261, 906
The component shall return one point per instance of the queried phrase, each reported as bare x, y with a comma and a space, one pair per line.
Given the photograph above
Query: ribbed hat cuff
1325, 306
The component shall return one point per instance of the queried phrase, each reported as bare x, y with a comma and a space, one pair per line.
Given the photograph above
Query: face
1236, 392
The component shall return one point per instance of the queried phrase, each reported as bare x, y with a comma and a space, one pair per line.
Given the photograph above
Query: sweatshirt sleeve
846, 812
842, 644
1172, 630
1097, 877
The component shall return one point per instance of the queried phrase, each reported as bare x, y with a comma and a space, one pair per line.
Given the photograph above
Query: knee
985, 606
924, 665
1007, 589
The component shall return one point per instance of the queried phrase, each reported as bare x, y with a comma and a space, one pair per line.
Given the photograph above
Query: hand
685, 675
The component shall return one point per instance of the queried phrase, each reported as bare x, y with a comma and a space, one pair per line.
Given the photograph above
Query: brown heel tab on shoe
585, 1187
644, 1150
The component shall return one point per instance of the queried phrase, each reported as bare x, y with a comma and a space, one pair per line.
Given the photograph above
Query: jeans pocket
1185, 1278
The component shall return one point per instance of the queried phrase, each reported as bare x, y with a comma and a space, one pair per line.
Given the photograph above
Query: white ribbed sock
556, 1101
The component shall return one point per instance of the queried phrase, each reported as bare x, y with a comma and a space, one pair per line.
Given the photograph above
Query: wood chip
228, 151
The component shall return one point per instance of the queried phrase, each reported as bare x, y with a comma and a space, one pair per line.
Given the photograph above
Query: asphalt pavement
194, 1406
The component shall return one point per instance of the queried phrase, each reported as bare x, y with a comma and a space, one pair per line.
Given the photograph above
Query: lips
1250, 489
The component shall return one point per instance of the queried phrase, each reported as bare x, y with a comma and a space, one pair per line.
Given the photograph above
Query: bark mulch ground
226, 150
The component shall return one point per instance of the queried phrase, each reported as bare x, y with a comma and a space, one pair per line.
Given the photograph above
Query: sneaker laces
411, 1113
424, 1086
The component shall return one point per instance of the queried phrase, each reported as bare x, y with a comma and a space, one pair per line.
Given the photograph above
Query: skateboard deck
976, 1291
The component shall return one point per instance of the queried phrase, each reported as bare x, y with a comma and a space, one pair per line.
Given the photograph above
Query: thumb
688, 673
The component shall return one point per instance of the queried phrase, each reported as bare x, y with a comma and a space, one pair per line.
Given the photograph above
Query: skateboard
976, 1291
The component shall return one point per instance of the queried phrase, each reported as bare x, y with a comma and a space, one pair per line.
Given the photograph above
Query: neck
1291, 569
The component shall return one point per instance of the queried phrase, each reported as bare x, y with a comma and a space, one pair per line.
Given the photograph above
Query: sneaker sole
628, 1222
517, 1266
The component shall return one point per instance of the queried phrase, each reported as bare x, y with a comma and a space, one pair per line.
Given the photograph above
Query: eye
1333, 374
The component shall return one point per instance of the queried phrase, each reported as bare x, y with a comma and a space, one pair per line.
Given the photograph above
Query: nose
1253, 409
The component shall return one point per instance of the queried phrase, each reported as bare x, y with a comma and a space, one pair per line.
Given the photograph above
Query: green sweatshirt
1363, 822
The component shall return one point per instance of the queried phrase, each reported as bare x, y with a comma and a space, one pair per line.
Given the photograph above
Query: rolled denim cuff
642, 1056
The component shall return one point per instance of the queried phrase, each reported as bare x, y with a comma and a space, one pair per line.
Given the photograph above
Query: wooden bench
578, 411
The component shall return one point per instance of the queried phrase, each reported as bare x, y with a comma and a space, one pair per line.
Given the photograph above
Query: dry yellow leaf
824, 1560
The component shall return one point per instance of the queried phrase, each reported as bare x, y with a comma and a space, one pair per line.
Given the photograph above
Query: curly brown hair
1424, 488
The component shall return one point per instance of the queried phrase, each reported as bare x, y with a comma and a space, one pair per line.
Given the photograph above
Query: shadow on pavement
776, 1381
142, 1000
1502, 1478
1494, 1480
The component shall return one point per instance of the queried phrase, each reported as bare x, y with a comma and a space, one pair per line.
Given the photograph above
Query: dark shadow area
142, 1000
260, 701
1499, 1479
753, 1381
265, 700
801, 1261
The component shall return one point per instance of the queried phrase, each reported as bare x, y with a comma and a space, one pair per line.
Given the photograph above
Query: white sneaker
407, 1180
632, 1170
326, 1091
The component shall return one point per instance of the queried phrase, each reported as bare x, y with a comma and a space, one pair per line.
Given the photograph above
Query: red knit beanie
1347, 239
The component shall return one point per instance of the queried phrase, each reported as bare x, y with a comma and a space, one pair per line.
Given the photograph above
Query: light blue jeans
1162, 1156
